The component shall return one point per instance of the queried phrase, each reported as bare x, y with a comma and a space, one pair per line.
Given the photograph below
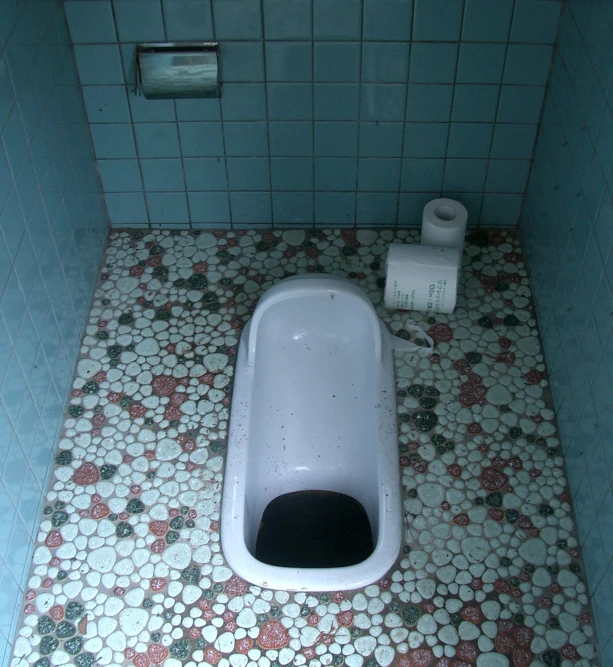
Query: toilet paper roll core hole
445, 213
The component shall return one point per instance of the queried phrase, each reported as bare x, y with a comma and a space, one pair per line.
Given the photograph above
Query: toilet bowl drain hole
308, 529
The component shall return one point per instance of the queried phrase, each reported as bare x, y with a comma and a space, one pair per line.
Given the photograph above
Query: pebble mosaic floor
128, 568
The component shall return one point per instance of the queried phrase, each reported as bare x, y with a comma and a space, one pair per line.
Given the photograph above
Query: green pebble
180, 649
171, 537
74, 610
177, 523
191, 574
135, 506
494, 499
48, 644
59, 518
74, 645
45, 625
124, 529
424, 421
410, 615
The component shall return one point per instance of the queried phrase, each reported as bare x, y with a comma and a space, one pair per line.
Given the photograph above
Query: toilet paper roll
421, 278
444, 224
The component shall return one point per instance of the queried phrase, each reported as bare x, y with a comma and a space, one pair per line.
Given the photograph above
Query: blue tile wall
457, 82
53, 227
567, 226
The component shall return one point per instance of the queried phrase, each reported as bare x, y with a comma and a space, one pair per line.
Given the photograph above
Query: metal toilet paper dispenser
177, 70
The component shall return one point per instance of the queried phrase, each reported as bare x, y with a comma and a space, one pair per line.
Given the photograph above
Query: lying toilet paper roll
444, 224
421, 278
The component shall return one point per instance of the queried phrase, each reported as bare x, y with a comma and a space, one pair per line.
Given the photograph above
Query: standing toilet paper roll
421, 278
444, 224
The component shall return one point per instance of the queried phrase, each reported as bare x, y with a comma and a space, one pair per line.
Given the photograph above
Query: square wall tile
520, 104
248, 173
437, 20
337, 20
336, 101
387, 19
157, 139
337, 61
429, 102
336, 139
481, 63
464, 175
243, 101
200, 139
241, 61
153, 111
383, 101
291, 173
237, 19
528, 64
209, 208
287, 19
289, 61
126, 208
120, 175
385, 62
470, 139
245, 139
377, 208
106, 104
475, 103
381, 139
335, 208
513, 141
99, 64
290, 101
167, 208
378, 174
427, 140
292, 208
292, 138
335, 174
205, 173
139, 20
487, 21
433, 63
422, 175
90, 21
251, 208
187, 20
535, 21
113, 141
162, 175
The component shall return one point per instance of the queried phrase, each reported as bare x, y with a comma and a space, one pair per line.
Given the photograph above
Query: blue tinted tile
336, 101
120, 175
433, 63
437, 20
337, 61
383, 102
387, 19
139, 20
381, 139
475, 103
470, 139
520, 104
292, 208
378, 174
603, 225
336, 139
290, 138
188, 19
486, 21
422, 175
429, 102
289, 61
334, 173
290, 101
237, 19
464, 175
248, 139
153, 111
593, 187
113, 141
535, 21
385, 62
507, 176
501, 210
197, 109
242, 61
209, 208
291, 173
377, 208
336, 209
12, 305
12, 223
25, 266
90, 21
287, 19
244, 101
157, 139
162, 175
480, 63
340, 20
527, 64
248, 173
513, 141
125, 208
425, 139
99, 64
200, 139
411, 208
167, 208
251, 207
106, 104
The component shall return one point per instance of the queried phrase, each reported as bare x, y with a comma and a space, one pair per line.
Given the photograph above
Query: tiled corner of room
567, 228
53, 229
357, 114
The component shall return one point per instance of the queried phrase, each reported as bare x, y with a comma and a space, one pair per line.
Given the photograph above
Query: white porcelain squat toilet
313, 428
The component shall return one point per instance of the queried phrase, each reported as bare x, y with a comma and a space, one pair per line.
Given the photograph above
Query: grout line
359, 118
267, 120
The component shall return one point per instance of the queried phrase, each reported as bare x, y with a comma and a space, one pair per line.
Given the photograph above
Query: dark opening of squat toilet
314, 529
